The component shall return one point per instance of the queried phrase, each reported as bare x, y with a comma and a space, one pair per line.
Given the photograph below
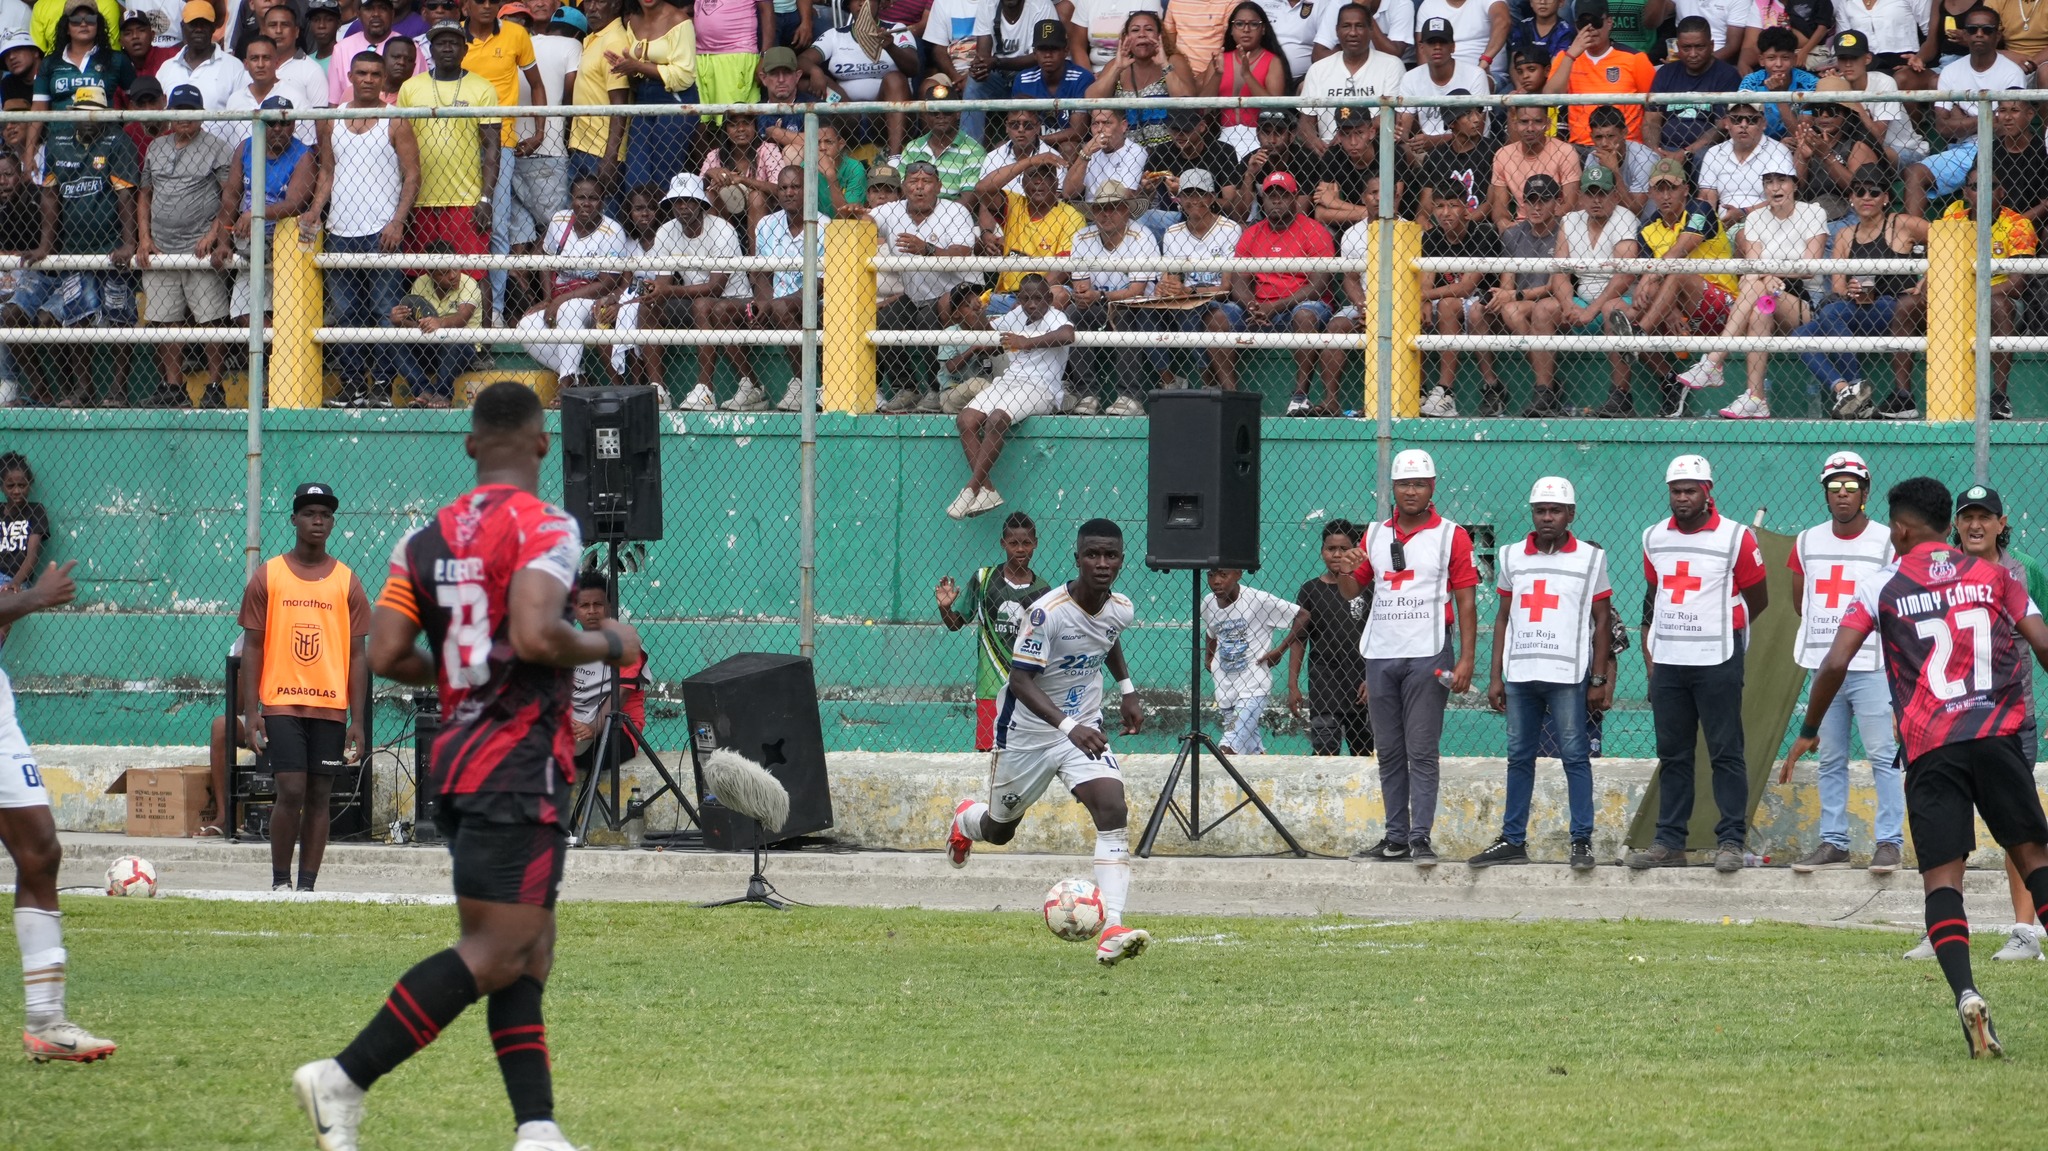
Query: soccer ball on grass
131, 875
1073, 910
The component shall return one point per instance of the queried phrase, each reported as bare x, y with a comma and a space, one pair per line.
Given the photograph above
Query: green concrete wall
151, 505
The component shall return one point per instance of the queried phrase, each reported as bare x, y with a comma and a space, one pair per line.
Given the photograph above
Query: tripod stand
1190, 758
619, 731
759, 890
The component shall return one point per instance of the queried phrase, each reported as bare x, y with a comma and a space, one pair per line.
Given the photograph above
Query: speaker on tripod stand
1202, 511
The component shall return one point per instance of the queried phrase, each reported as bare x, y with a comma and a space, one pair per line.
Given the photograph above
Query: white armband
1126, 687
1067, 725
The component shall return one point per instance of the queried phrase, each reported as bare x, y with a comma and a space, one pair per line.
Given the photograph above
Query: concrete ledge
902, 802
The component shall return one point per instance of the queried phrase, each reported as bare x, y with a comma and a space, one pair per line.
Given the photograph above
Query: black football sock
424, 1000
1948, 929
280, 878
307, 879
521, 1039
2037, 886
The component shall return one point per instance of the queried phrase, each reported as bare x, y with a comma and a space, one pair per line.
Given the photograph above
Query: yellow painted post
1407, 381
1951, 321
297, 306
846, 360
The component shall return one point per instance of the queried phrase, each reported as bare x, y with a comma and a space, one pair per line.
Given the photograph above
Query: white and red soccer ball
1073, 910
131, 875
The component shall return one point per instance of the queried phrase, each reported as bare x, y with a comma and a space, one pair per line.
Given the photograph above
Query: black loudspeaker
764, 707
611, 462
426, 724
1202, 497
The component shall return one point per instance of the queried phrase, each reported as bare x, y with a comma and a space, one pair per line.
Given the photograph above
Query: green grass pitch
674, 1027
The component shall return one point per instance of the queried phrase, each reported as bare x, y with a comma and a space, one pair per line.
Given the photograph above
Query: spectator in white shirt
1096, 292
1782, 228
1392, 30
1357, 70
921, 226
1203, 233
1108, 154
1025, 144
580, 231
204, 65
1441, 73
1732, 171
1037, 336
1479, 26
706, 298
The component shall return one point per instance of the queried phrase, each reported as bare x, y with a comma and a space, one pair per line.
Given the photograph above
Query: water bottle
636, 818
1447, 679
1767, 303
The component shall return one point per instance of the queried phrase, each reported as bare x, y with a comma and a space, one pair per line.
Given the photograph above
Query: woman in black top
24, 526
1329, 626
1862, 305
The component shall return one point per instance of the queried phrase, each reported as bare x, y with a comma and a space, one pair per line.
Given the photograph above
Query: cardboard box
165, 802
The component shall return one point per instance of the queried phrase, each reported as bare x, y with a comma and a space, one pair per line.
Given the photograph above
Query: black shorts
1947, 787
508, 848
310, 745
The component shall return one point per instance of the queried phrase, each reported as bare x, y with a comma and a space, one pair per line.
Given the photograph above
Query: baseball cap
1781, 166
1197, 180
687, 186
1048, 34
334, 6
1279, 180
1435, 28
1182, 119
1872, 176
146, 88
186, 96
278, 103
196, 10
514, 8
778, 59
1279, 116
1529, 52
1542, 186
573, 17
1667, 171
1589, 12
136, 16
315, 494
1980, 496
448, 28
1851, 43
1351, 116
1596, 178
89, 96
885, 176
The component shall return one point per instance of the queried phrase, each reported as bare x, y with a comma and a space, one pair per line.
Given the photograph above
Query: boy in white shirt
1037, 336
1232, 616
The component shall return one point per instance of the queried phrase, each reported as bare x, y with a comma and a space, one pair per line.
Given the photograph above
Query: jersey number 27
466, 649
1976, 622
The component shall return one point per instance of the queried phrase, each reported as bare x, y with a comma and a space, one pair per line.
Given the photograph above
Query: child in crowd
24, 526
443, 298
997, 598
964, 368
1544, 28
591, 695
1232, 616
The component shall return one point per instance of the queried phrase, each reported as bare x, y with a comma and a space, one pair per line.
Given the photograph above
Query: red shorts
1710, 315
455, 225
984, 725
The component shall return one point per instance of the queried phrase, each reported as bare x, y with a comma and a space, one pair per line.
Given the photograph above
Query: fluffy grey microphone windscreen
746, 787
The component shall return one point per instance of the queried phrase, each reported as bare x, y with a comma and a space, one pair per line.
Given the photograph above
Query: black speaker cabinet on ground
764, 707
611, 462
1202, 500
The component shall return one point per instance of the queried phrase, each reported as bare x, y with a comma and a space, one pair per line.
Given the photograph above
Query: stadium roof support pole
807, 447
1982, 267
846, 358
298, 305
253, 545
1381, 392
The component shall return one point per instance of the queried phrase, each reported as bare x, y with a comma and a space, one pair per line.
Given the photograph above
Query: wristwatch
1598, 681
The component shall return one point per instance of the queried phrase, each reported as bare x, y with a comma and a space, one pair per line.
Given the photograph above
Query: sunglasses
83, 18
1869, 191
1845, 485
1978, 29
1745, 119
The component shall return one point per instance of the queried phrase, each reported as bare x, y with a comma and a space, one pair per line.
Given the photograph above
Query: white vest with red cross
1409, 599
1692, 617
1833, 569
1550, 611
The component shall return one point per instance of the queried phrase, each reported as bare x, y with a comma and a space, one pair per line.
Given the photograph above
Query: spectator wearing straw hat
1096, 292
1419, 568
206, 66
1275, 301
922, 227
1551, 658
188, 194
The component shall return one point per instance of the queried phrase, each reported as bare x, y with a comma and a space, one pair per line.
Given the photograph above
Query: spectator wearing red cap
1266, 301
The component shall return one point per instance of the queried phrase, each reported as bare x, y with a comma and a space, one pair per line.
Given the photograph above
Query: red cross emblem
1538, 600
1681, 581
1835, 587
1396, 579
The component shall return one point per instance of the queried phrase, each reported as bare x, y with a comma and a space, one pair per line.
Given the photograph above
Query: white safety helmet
1689, 467
1553, 490
1846, 463
1414, 464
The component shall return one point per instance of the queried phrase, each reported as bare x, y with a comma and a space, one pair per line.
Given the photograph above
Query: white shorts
21, 784
1019, 775
1020, 398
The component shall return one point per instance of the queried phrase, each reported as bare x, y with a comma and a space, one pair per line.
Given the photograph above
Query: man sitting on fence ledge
1037, 336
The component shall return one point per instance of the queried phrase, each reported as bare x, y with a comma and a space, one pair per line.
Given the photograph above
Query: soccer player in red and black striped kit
1952, 627
487, 583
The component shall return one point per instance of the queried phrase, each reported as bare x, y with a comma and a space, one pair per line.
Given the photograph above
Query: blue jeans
1865, 695
432, 368
1566, 705
362, 299
1842, 318
998, 86
501, 223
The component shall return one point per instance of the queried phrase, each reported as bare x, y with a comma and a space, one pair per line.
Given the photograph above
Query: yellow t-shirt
1656, 237
499, 59
1050, 235
451, 170
2012, 235
595, 82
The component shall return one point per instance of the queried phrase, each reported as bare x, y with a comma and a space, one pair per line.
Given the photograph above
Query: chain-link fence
875, 375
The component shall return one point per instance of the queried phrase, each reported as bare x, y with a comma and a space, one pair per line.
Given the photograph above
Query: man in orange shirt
305, 681
1595, 64
500, 52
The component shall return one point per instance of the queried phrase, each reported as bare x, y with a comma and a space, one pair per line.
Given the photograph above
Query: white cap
1846, 463
1553, 490
1689, 468
1414, 464
687, 186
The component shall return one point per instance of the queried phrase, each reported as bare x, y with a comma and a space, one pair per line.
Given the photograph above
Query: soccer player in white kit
1049, 724
30, 836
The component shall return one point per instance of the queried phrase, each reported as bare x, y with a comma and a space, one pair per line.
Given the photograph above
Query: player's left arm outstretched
1133, 715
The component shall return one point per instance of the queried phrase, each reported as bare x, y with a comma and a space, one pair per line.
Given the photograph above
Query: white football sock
1113, 872
41, 935
541, 1130
969, 821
